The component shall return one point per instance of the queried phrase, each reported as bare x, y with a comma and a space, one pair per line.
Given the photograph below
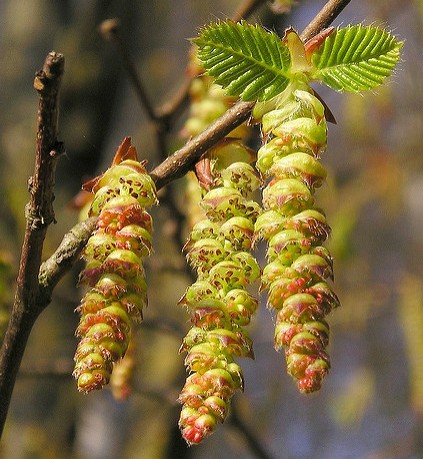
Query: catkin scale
114, 270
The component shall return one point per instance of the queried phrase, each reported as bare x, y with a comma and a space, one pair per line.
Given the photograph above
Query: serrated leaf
245, 59
356, 58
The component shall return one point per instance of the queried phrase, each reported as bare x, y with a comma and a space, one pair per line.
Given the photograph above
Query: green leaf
356, 58
245, 59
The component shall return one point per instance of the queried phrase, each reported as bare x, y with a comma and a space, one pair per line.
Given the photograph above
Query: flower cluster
298, 265
220, 305
114, 270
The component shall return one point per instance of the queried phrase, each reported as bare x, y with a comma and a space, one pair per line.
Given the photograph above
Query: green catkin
220, 305
114, 270
298, 265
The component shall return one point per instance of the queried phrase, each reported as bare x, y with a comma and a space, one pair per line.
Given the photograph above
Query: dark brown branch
39, 215
110, 30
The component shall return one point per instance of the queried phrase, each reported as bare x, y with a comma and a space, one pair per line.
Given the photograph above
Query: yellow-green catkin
114, 268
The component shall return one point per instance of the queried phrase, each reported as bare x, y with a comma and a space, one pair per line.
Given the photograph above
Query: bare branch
254, 444
64, 257
172, 108
246, 9
110, 30
39, 215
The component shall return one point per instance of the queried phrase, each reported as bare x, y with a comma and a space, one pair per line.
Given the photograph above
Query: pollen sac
268, 224
287, 245
239, 232
223, 203
302, 166
311, 223
114, 267
269, 153
204, 229
298, 265
241, 306
303, 131
201, 289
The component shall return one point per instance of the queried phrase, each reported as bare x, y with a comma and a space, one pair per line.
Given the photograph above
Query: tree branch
62, 260
171, 108
324, 18
39, 215
247, 8
254, 444
182, 161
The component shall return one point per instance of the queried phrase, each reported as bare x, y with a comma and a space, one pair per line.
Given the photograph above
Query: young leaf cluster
255, 64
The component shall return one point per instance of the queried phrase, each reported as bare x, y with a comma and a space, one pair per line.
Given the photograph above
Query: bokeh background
371, 404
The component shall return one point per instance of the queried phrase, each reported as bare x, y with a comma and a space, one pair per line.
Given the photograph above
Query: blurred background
371, 404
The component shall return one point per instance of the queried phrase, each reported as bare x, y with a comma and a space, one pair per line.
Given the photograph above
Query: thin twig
182, 161
63, 258
254, 444
39, 215
324, 18
172, 107
246, 9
